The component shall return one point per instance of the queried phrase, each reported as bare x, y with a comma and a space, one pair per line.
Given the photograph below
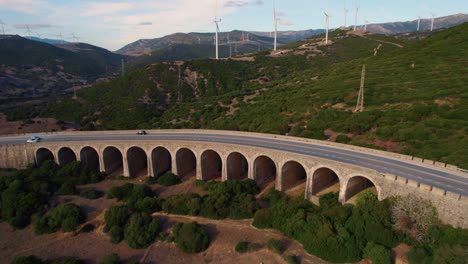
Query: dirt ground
37, 125
94, 246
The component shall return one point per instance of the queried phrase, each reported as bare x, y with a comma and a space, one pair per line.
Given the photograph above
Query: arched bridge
290, 164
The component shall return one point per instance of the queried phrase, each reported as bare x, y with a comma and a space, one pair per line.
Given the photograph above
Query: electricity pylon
360, 100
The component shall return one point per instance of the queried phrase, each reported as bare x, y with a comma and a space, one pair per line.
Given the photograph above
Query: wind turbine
275, 23
3, 26
38, 35
327, 20
432, 21
60, 36
75, 38
365, 24
345, 13
419, 22
216, 21
28, 31
356, 9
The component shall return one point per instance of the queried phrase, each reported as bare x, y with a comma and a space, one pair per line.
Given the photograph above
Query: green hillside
415, 94
80, 59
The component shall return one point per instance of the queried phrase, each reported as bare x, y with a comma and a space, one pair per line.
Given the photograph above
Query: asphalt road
443, 179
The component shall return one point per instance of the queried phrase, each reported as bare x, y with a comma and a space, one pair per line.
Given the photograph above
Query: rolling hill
30, 69
415, 94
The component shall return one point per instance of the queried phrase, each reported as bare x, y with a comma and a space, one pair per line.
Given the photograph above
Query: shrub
451, 255
291, 259
116, 234
275, 245
116, 216
242, 247
26, 260
141, 230
111, 259
88, 228
377, 253
342, 139
91, 194
366, 197
67, 217
191, 237
67, 188
148, 205
329, 200
184, 204
168, 179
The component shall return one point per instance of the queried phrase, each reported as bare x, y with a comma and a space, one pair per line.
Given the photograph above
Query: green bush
111, 259
67, 217
141, 230
275, 245
67, 188
191, 237
184, 204
377, 253
242, 247
292, 259
116, 234
168, 179
91, 194
116, 216
329, 200
342, 139
129, 192
451, 254
26, 260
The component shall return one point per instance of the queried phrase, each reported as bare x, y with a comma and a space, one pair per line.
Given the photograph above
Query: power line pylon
360, 100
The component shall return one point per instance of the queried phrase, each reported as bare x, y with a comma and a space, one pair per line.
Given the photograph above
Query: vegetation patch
191, 237
66, 217
27, 192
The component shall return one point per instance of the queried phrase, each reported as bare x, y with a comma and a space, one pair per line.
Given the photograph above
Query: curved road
444, 179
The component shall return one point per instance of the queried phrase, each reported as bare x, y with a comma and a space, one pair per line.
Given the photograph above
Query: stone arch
65, 156
113, 160
43, 155
211, 165
357, 184
186, 162
237, 166
264, 171
137, 162
292, 174
161, 160
90, 157
324, 180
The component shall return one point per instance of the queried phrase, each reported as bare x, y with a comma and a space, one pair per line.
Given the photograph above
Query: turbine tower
356, 9
75, 38
3, 26
365, 24
432, 21
60, 36
419, 22
28, 32
327, 20
275, 23
216, 21
345, 13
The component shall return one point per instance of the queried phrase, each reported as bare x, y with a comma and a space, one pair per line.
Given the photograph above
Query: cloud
286, 22
240, 3
32, 26
24, 6
106, 8
145, 23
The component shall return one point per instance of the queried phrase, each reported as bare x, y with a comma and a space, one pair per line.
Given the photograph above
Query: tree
414, 216
191, 237
377, 253
141, 230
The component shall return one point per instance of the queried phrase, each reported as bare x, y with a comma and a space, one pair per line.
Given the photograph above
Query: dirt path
225, 234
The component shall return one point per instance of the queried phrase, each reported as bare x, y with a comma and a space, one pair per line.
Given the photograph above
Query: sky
113, 24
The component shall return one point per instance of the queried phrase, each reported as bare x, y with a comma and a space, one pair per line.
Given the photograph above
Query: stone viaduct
207, 160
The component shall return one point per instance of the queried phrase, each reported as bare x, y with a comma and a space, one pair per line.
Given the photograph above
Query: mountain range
265, 39
30, 69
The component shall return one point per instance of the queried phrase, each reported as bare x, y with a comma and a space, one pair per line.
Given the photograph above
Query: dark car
141, 132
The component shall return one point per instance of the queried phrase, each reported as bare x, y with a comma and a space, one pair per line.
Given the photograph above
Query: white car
34, 139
